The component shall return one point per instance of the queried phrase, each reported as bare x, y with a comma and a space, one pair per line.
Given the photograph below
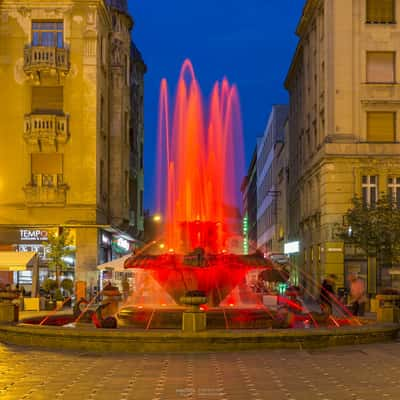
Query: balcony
40, 61
46, 130
38, 196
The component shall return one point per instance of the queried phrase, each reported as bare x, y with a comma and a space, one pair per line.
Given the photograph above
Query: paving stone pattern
368, 372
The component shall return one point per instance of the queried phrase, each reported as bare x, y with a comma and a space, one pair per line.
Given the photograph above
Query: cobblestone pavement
361, 372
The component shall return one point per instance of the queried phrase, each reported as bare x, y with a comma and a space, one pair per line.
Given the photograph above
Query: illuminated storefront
31, 239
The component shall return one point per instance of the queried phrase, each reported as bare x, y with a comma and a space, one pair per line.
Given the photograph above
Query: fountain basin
128, 341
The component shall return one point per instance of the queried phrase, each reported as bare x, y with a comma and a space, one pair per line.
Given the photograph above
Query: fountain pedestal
193, 319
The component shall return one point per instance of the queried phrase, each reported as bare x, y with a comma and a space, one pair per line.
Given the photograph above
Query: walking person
328, 294
357, 295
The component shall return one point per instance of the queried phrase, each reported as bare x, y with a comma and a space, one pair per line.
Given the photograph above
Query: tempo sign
291, 247
35, 235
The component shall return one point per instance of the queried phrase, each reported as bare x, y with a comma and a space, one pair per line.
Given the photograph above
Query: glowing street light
157, 218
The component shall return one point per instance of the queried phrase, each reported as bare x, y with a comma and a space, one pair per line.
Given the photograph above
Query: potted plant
67, 286
49, 285
59, 298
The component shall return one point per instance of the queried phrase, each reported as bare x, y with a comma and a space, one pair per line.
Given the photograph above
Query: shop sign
121, 245
279, 258
291, 248
37, 248
334, 249
35, 235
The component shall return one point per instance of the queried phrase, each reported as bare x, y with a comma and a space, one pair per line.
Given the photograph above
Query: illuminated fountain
198, 278
199, 170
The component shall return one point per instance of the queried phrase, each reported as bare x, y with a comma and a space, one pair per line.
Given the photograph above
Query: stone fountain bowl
193, 298
193, 301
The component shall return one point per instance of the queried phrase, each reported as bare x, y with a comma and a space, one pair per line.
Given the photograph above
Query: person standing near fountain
357, 294
125, 289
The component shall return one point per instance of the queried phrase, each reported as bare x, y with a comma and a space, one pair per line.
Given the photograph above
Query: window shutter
47, 164
47, 99
380, 11
381, 126
380, 67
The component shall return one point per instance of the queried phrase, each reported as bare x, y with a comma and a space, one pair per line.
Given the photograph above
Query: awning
15, 261
115, 265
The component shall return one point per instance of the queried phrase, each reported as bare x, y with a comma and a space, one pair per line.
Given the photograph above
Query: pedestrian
328, 293
125, 289
357, 294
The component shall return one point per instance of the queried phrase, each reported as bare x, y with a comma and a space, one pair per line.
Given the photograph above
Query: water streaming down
200, 166
200, 163
199, 171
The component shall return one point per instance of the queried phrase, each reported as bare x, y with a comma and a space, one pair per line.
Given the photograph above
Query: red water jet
199, 163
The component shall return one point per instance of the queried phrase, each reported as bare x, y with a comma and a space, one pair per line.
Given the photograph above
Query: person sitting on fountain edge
327, 294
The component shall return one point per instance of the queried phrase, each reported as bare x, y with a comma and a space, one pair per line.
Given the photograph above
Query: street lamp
157, 218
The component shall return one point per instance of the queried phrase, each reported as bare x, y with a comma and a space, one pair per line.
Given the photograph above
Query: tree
67, 285
373, 228
59, 247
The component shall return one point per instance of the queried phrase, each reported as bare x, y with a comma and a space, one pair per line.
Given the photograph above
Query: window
369, 187
126, 188
141, 156
47, 169
381, 126
380, 11
101, 177
102, 114
394, 190
48, 34
103, 55
126, 128
380, 67
47, 99
127, 70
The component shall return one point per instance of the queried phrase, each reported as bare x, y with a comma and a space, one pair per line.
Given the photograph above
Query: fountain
199, 170
202, 280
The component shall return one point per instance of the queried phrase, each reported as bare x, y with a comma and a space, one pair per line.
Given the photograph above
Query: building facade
343, 121
66, 126
270, 175
136, 141
249, 199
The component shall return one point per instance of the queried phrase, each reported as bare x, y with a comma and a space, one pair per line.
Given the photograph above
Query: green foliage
58, 295
59, 247
374, 229
67, 284
49, 285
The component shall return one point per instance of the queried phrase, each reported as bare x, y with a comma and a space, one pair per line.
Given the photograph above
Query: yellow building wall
84, 24
330, 98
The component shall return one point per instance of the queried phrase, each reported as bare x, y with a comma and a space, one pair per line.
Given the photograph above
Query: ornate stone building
71, 127
344, 119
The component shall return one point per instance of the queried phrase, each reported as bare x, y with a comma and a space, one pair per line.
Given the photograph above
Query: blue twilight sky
251, 42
